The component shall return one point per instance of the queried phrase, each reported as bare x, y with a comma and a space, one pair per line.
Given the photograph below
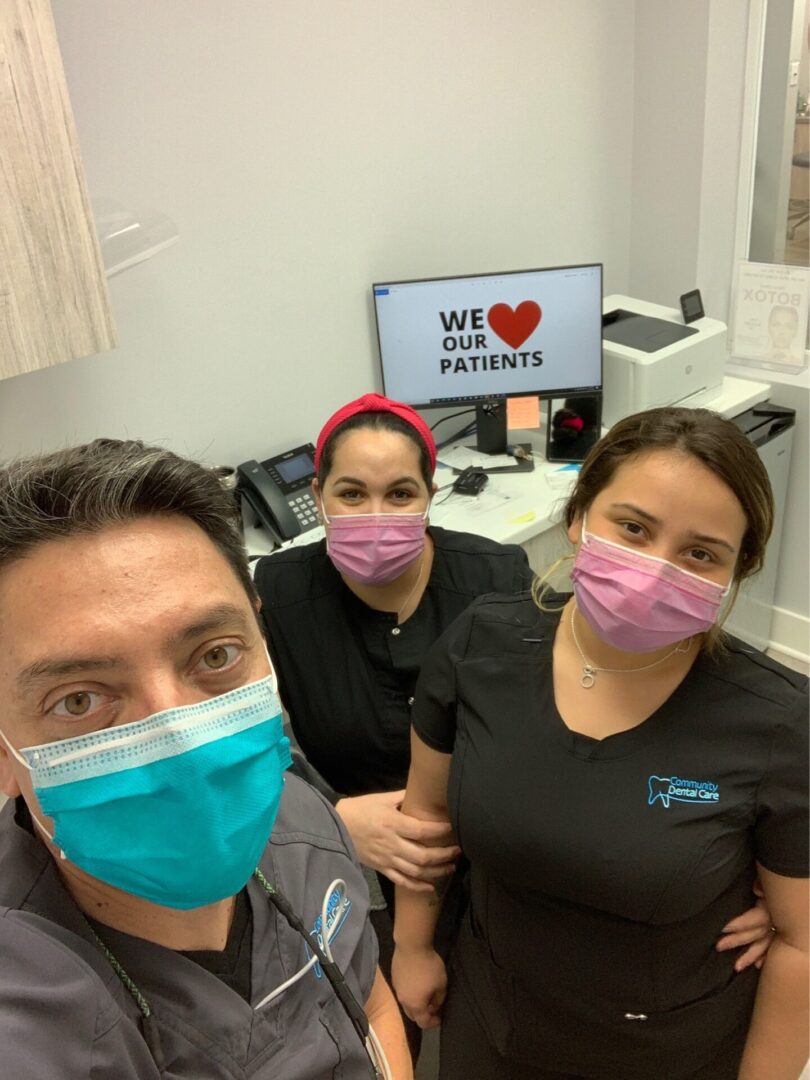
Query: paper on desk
470, 505
462, 457
488, 500
311, 536
562, 479
523, 412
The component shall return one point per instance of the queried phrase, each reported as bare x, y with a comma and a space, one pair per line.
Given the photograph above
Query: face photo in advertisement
769, 328
783, 332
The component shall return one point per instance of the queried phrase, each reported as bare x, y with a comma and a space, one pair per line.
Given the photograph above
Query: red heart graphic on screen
514, 327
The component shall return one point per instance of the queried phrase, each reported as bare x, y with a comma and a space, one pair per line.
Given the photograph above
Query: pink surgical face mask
374, 548
637, 602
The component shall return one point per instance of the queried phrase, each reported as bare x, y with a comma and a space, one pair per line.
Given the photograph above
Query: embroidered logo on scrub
675, 789
334, 910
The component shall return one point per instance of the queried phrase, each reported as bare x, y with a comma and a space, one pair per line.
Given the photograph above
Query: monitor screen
449, 340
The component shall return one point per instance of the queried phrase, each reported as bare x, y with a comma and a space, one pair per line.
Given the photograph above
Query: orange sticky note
522, 412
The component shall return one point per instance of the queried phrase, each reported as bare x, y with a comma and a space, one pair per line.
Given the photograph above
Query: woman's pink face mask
637, 602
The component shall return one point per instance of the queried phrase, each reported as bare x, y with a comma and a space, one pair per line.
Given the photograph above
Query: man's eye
77, 704
219, 657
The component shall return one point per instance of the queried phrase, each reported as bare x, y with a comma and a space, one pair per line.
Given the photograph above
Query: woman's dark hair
374, 421
715, 442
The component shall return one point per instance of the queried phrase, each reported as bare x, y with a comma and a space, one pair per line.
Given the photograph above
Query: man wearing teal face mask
150, 924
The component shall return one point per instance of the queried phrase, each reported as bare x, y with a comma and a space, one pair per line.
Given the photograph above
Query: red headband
377, 403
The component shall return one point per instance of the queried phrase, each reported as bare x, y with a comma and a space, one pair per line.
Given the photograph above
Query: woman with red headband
349, 621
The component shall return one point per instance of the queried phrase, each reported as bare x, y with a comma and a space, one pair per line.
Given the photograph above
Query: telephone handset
276, 493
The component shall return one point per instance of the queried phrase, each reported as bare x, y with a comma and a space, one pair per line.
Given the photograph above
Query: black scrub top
603, 871
346, 672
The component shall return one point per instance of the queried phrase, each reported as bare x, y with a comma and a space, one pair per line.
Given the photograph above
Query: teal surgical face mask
176, 808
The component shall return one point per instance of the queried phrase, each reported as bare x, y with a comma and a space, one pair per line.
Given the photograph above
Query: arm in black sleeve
302, 768
434, 708
780, 832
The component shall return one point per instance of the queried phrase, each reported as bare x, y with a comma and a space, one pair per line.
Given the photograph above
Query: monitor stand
490, 422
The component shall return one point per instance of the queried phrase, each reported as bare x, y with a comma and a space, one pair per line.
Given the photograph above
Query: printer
651, 358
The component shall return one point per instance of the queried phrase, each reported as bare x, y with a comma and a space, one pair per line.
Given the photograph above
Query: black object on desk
574, 424
471, 481
692, 306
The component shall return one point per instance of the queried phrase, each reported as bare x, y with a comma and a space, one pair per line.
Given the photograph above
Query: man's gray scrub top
65, 1014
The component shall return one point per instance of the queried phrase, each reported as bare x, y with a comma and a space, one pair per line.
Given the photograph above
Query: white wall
307, 148
727, 50
722, 136
690, 79
670, 102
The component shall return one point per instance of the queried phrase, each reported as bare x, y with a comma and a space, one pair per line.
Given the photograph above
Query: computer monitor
480, 339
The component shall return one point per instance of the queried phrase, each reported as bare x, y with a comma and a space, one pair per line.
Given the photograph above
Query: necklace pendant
588, 677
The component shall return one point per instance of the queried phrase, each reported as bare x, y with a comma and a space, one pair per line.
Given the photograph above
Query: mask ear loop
272, 676
16, 754
583, 539
13, 751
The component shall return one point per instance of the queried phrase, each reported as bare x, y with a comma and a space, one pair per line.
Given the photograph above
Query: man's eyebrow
49, 668
215, 618
654, 520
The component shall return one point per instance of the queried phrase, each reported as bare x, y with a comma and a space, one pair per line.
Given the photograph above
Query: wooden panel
54, 304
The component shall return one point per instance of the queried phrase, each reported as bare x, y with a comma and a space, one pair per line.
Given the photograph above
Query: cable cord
468, 429
327, 933
149, 1028
323, 956
452, 416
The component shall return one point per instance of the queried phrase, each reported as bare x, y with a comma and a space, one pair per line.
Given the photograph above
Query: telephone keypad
303, 506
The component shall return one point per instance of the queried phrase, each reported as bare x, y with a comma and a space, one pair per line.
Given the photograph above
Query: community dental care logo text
674, 789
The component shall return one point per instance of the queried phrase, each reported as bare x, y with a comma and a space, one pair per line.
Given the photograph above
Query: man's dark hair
108, 482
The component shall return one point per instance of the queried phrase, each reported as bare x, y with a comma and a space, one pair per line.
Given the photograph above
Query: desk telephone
277, 492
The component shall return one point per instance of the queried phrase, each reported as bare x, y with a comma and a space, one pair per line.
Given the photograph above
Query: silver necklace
590, 671
413, 590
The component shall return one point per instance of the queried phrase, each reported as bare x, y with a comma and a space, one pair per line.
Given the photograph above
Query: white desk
517, 508
525, 507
